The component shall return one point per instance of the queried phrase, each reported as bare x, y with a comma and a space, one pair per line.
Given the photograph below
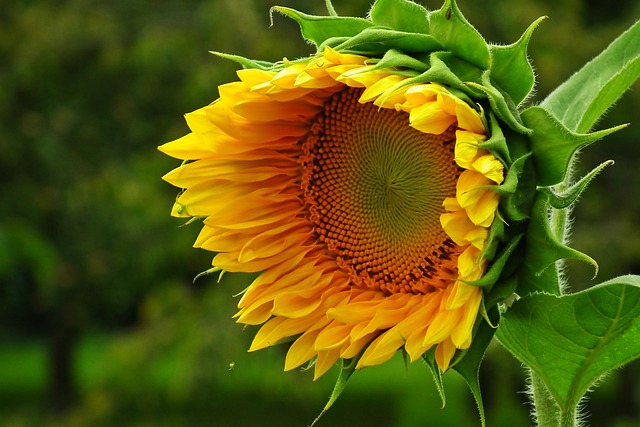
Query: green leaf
458, 36
402, 15
510, 67
553, 144
348, 368
580, 101
570, 341
317, 29
376, 41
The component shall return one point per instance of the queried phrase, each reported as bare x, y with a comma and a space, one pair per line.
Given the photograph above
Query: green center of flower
374, 188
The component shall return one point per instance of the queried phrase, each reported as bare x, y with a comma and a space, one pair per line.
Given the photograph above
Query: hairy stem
546, 412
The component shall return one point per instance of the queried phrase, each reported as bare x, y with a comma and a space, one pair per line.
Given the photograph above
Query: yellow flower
365, 204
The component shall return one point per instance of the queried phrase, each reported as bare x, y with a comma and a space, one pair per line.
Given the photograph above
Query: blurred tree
85, 234
90, 90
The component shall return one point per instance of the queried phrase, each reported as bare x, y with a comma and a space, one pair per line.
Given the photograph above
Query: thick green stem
547, 412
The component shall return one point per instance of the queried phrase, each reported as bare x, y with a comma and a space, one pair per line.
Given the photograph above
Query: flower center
374, 188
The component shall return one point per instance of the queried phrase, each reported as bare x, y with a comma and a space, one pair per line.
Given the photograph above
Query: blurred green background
100, 322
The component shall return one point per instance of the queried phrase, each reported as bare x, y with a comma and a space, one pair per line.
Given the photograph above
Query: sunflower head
381, 186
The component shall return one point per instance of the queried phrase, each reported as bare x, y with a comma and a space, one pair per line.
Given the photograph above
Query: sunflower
362, 198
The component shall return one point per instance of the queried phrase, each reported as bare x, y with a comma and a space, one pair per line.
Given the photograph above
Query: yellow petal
468, 192
414, 347
451, 204
336, 57
480, 203
470, 264
380, 86
326, 360
483, 211
430, 118
353, 347
286, 78
422, 94
467, 150
460, 295
278, 329
271, 111
252, 76
444, 353
333, 336
461, 334
189, 147
256, 314
381, 349
458, 226
468, 118
301, 351
490, 167
441, 326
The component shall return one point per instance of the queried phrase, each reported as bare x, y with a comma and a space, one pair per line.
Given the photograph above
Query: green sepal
511, 179
542, 250
402, 15
458, 36
346, 371
580, 101
208, 272
330, 9
510, 66
553, 144
503, 290
497, 143
393, 58
518, 190
571, 341
332, 42
246, 62
494, 240
317, 29
569, 196
375, 41
492, 275
501, 104
441, 72
430, 359
467, 362
462, 70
